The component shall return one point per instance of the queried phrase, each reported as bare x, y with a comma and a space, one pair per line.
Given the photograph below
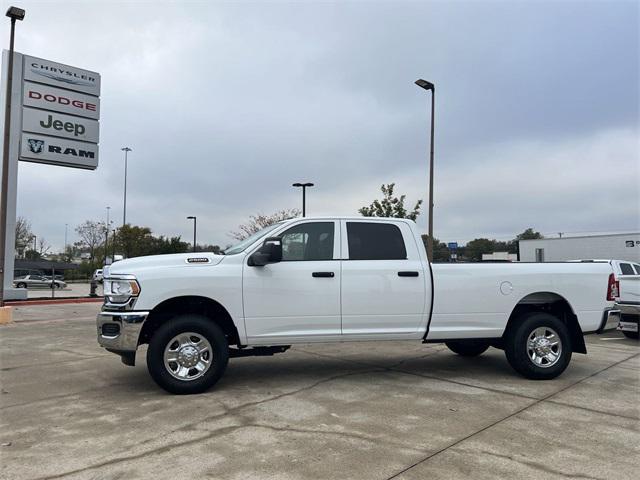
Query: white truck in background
628, 297
335, 279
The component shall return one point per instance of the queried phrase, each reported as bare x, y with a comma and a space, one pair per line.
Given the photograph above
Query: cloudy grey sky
226, 104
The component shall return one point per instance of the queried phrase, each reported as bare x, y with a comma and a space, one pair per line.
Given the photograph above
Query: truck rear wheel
539, 346
187, 354
468, 348
633, 335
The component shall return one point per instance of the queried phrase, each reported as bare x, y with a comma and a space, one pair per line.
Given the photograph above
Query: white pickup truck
628, 297
344, 279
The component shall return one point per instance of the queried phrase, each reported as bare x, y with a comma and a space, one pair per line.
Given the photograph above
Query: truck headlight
120, 290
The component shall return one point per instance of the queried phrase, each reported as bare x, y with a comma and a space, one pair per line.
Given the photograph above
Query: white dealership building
619, 246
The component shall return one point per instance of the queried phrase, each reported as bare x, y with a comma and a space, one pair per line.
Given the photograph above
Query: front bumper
629, 317
120, 331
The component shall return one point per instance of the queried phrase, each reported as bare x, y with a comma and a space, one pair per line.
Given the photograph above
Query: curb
53, 301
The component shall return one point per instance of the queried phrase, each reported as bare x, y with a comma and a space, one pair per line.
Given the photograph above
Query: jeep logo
75, 128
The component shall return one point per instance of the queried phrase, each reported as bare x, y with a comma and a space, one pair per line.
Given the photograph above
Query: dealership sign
59, 113
56, 99
58, 151
51, 73
59, 124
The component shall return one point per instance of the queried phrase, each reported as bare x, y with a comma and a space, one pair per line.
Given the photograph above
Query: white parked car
98, 275
325, 280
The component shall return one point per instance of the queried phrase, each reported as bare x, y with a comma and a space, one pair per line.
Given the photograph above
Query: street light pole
304, 195
126, 150
106, 237
66, 227
14, 13
430, 86
195, 220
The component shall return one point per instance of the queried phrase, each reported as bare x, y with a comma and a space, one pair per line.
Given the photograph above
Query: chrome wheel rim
544, 347
188, 356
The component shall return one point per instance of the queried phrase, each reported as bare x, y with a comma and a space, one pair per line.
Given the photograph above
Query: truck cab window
375, 241
308, 242
626, 269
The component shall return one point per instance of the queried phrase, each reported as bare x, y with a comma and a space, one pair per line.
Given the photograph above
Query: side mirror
269, 252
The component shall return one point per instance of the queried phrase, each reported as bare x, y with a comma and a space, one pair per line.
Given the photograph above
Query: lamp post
106, 237
14, 13
195, 220
430, 86
304, 195
66, 227
126, 150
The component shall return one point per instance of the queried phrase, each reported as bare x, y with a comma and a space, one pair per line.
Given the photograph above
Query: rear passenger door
383, 280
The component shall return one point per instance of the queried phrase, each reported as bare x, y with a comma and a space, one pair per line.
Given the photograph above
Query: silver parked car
38, 281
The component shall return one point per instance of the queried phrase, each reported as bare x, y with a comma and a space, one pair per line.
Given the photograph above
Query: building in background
499, 257
619, 246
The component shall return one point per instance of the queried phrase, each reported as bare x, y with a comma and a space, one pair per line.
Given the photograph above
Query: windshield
242, 246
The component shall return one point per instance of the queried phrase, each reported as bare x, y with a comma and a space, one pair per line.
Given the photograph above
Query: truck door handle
323, 274
408, 274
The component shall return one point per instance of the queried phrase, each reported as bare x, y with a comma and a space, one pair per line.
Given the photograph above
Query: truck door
383, 279
298, 297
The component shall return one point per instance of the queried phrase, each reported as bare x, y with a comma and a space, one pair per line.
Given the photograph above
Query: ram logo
35, 146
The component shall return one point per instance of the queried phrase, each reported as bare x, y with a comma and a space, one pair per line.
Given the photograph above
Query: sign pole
5, 162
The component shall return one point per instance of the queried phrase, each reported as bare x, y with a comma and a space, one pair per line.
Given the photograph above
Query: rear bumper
120, 331
629, 317
610, 320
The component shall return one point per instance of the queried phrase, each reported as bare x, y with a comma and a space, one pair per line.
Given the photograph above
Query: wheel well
555, 305
190, 304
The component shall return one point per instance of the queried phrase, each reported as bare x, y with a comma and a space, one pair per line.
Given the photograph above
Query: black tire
631, 335
517, 351
182, 324
21, 285
468, 348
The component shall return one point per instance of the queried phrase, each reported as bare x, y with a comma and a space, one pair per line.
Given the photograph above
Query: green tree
474, 249
135, 241
390, 206
529, 234
441, 252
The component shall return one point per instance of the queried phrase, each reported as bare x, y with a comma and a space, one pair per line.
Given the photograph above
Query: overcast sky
226, 104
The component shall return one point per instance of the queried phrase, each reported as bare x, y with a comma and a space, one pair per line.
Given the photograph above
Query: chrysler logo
35, 146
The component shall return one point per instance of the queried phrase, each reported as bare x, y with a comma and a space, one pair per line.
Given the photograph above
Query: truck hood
135, 265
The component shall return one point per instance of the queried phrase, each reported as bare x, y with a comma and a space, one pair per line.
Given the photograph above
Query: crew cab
331, 279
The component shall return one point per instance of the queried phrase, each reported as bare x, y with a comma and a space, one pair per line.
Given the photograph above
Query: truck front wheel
468, 348
187, 354
539, 346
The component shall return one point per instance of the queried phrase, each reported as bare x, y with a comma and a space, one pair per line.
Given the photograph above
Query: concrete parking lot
358, 411
71, 290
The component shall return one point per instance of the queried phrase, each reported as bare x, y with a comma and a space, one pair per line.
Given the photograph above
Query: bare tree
260, 221
43, 246
23, 235
92, 235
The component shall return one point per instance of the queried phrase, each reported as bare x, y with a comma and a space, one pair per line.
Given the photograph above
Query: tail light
613, 288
